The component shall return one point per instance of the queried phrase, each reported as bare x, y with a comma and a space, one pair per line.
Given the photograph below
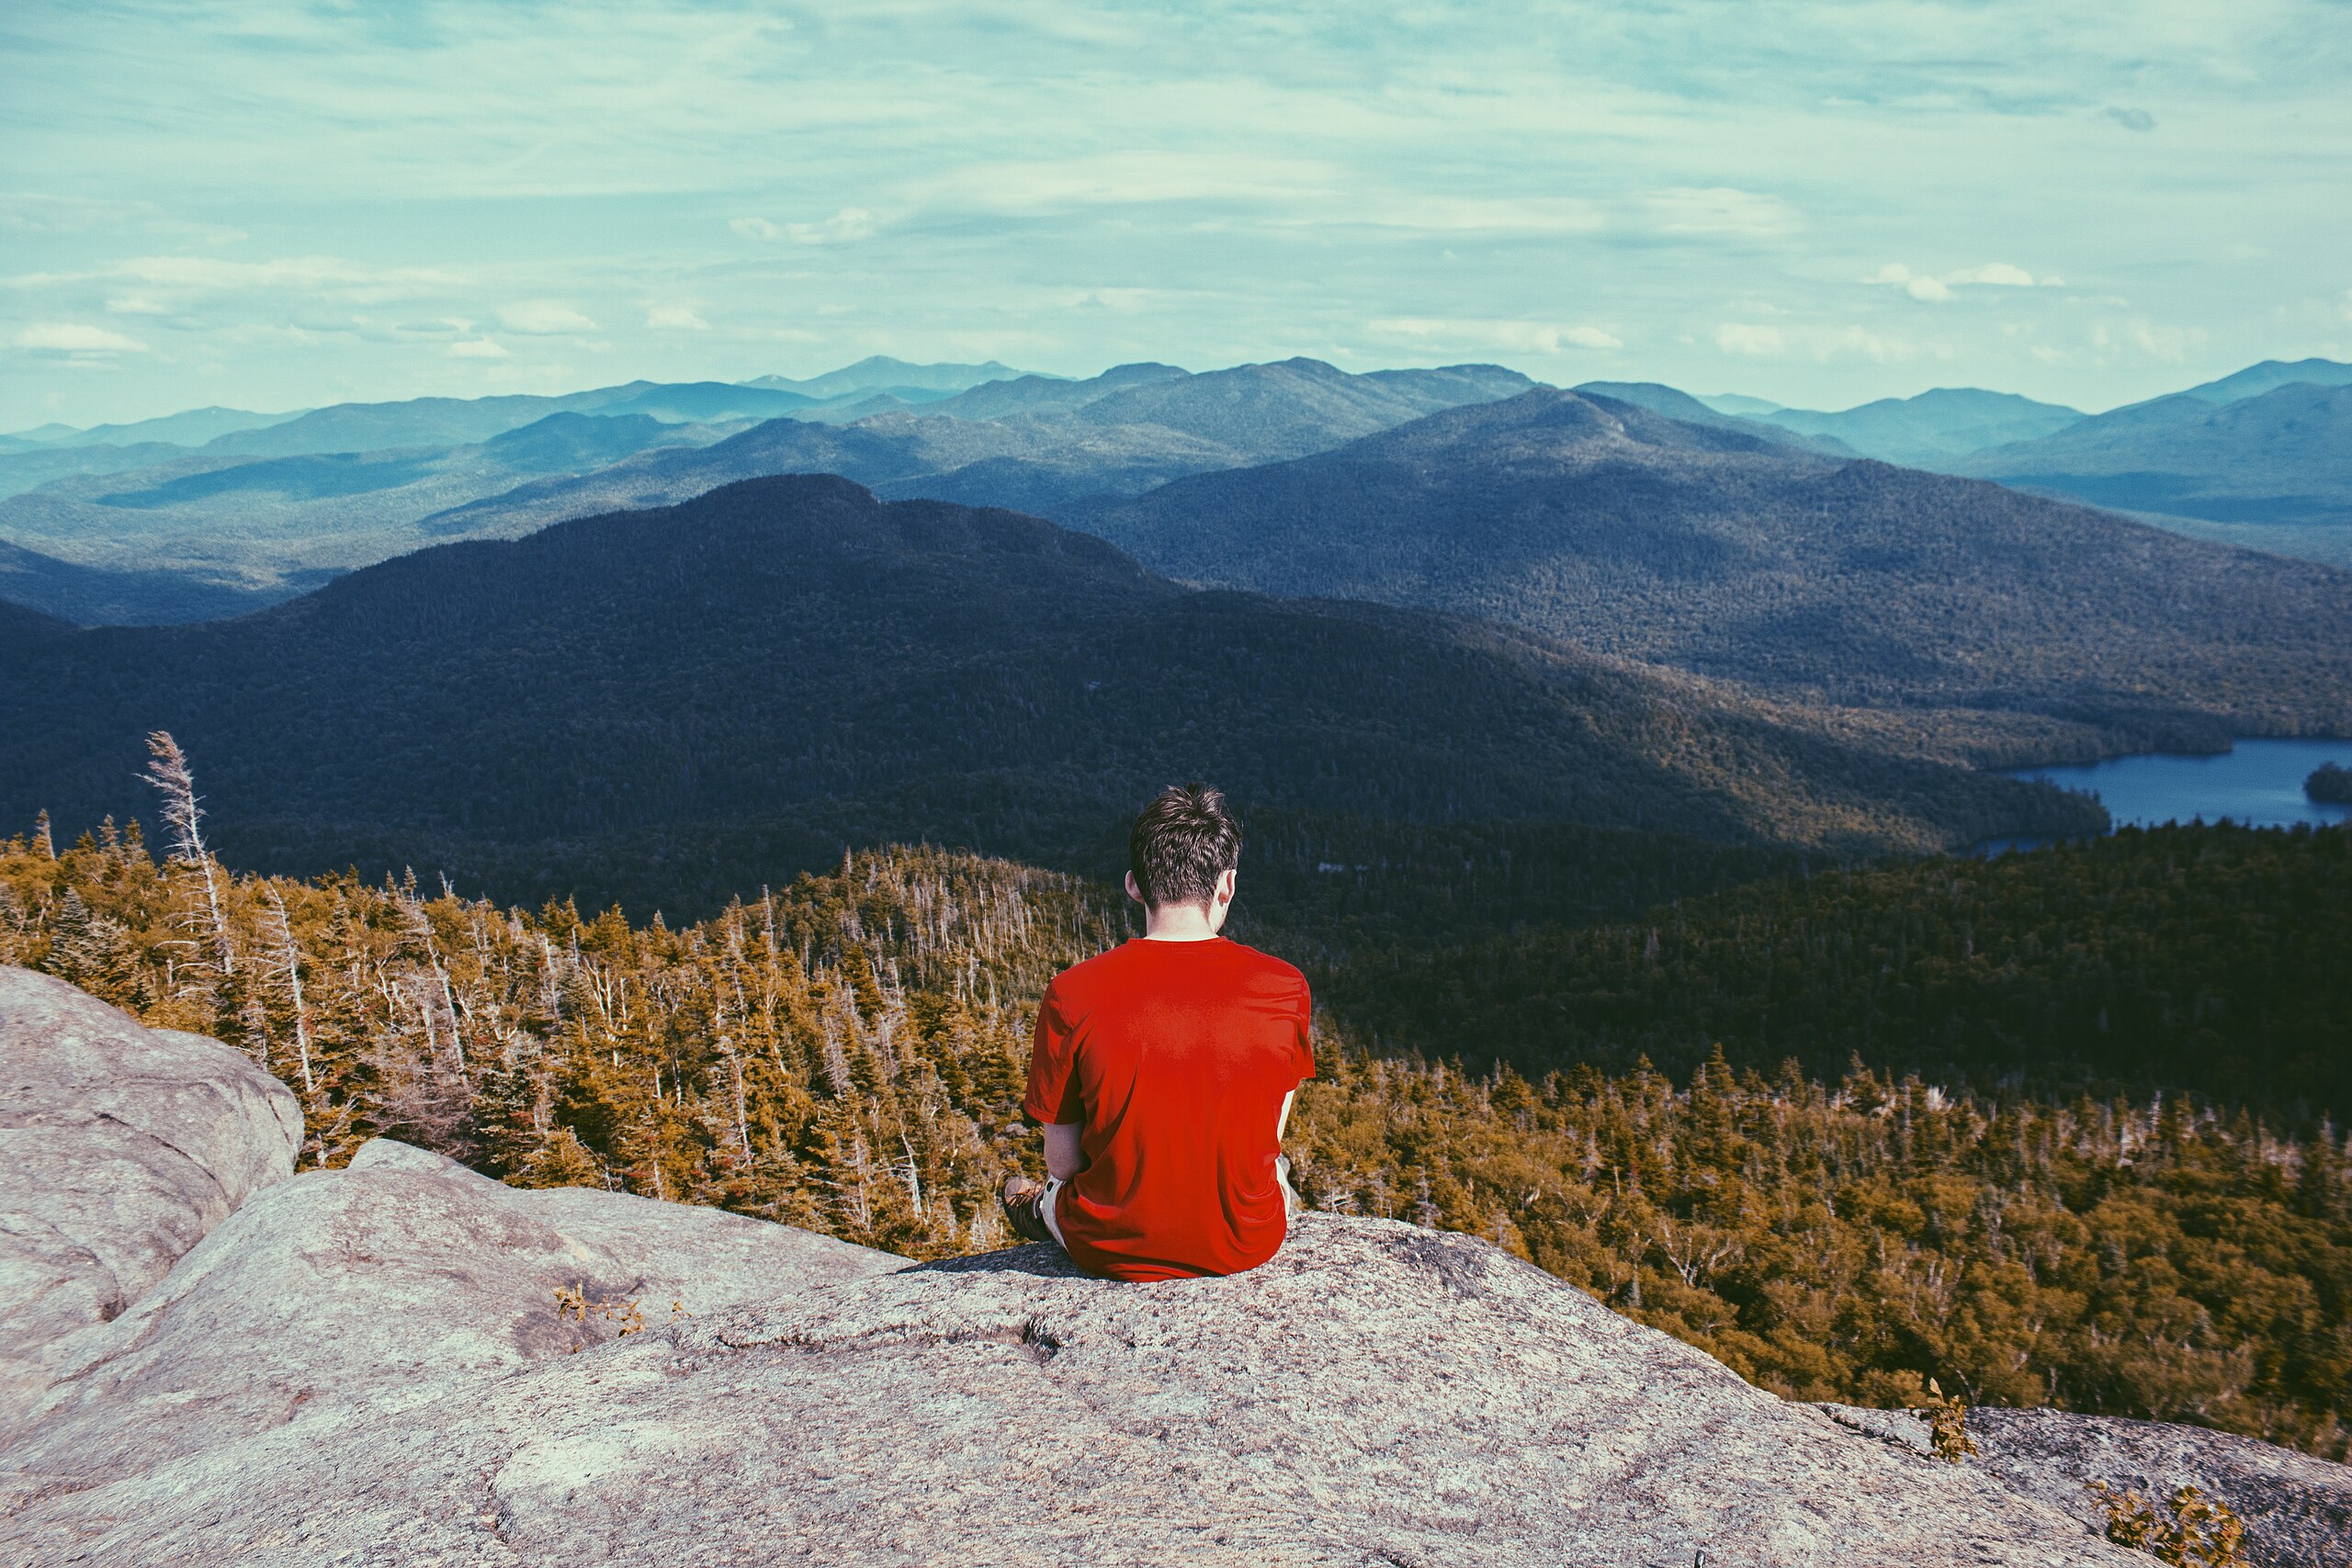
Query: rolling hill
787, 665
2272, 468
1710, 550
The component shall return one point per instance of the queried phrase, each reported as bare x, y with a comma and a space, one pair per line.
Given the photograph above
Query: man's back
1175, 1057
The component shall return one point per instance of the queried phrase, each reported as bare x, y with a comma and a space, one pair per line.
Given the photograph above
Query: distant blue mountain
191, 428
1745, 407
880, 373
708, 402
2256, 379
2272, 470
1949, 421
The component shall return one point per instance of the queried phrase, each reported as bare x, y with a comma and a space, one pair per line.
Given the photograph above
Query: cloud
675, 319
72, 337
849, 223
1921, 286
27, 212
1821, 343
477, 348
1521, 337
1474, 215
2130, 119
2000, 274
543, 318
333, 276
1739, 337
2147, 339
1716, 211
1023, 188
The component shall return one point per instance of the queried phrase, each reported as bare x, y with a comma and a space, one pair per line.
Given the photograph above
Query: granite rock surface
382, 1286
372, 1366
1378, 1395
2297, 1509
120, 1148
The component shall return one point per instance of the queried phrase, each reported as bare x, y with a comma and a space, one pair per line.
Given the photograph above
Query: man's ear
1134, 892
1224, 885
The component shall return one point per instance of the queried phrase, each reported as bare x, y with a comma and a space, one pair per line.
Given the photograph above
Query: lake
2258, 782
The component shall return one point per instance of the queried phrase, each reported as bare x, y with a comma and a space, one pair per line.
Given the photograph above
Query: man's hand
1064, 1159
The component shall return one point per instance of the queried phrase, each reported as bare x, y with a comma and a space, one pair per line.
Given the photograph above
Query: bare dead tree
167, 772
289, 962
42, 837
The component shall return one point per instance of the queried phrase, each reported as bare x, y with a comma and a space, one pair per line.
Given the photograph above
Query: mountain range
2270, 469
1849, 583
2252, 458
789, 664
1924, 430
1040, 447
248, 530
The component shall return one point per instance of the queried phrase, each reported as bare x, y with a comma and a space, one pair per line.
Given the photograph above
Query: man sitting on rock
1163, 1072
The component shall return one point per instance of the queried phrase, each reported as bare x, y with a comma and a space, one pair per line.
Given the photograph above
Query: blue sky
277, 205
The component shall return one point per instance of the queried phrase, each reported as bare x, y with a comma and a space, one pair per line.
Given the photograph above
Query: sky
272, 204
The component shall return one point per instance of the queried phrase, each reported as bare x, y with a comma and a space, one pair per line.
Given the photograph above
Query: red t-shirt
1175, 1056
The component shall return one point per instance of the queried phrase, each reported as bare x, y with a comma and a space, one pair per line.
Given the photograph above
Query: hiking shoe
1019, 1199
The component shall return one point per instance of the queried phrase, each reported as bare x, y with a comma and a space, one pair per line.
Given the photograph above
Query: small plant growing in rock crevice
574, 1304
1946, 1423
2201, 1531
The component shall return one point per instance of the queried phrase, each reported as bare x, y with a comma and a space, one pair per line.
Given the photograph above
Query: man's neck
1178, 922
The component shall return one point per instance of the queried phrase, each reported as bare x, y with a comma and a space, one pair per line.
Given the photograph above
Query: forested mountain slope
792, 653
1707, 549
2199, 959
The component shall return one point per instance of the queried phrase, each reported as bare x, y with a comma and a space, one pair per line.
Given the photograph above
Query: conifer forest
1842, 1189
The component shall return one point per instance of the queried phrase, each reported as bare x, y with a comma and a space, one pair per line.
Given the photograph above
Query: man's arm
1282, 1121
1064, 1159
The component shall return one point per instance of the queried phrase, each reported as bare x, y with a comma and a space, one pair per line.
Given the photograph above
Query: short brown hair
1181, 844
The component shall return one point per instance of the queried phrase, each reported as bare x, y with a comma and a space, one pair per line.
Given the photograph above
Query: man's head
1184, 851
